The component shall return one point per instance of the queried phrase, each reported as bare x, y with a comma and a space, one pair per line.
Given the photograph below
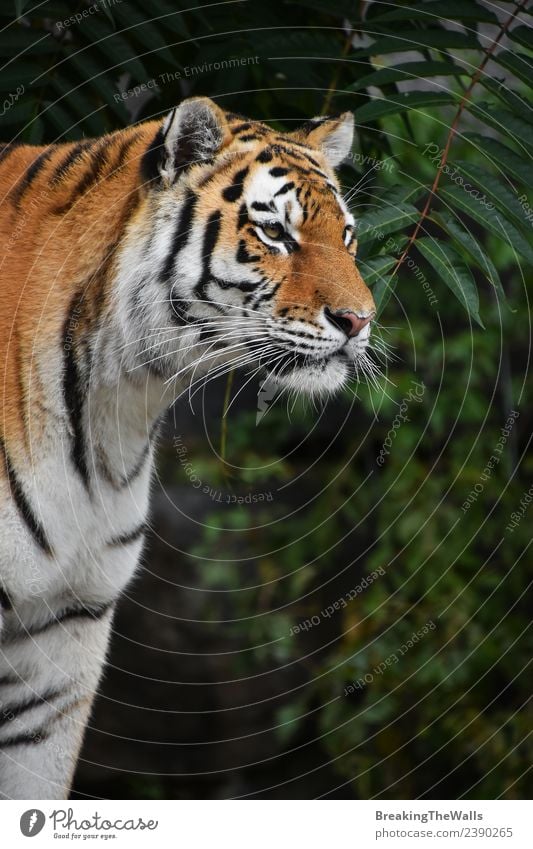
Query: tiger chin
134, 267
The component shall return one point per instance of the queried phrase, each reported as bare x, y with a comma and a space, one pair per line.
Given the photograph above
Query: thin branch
224, 424
453, 130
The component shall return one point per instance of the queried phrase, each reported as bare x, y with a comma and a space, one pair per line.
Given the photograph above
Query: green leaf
89, 113
498, 192
20, 5
490, 219
94, 77
402, 194
340, 9
18, 41
292, 43
164, 15
517, 63
289, 719
147, 33
453, 271
118, 52
18, 74
379, 223
523, 36
382, 291
35, 133
438, 9
473, 249
401, 103
61, 119
503, 157
20, 113
418, 40
505, 122
109, 16
375, 269
509, 98
407, 72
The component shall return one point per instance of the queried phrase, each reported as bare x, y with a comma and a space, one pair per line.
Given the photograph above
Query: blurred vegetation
451, 718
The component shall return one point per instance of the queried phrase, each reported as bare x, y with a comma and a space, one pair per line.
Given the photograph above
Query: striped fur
133, 266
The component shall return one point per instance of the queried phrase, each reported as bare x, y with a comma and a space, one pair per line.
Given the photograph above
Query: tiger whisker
254, 373
219, 371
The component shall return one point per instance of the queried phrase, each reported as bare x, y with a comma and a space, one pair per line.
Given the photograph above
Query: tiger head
243, 251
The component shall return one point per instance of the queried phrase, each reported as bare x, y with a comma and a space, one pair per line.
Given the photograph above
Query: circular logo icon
32, 822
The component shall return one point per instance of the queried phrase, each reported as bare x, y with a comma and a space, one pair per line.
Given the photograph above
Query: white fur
339, 141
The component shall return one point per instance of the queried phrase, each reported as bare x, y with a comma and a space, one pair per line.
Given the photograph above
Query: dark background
209, 692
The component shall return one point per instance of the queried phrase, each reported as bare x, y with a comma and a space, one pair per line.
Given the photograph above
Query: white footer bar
269, 824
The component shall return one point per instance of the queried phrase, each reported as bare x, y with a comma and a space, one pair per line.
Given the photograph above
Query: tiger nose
348, 321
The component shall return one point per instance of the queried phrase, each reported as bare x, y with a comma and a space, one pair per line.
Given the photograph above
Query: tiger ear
192, 133
333, 136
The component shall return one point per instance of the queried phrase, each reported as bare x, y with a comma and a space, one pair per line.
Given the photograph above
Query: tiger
134, 265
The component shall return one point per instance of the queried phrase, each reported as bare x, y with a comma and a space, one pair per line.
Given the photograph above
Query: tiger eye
273, 231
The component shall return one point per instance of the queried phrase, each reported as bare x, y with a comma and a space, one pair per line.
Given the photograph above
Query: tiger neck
121, 422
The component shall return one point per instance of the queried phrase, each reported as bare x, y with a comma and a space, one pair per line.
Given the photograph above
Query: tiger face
244, 243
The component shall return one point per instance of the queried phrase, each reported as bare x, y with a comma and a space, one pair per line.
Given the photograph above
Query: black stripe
5, 601
241, 128
8, 149
69, 160
73, 393
211, 234
243, 216
306, 172
281, 148
181, 234
30, 174
247, 287
123, 149
93, 613
306, 156
243, 285
26, 739
128, 479
284, 189
277, 171
263, 207
152, 158
233, 192
266, 155
243, 255
314, 161
127, 538
120, 482
82, 612
22, 707
297, 143
10, 679
23, 505
180, 312
21, 388
267, 296
95, 166
251, 137
210, 238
